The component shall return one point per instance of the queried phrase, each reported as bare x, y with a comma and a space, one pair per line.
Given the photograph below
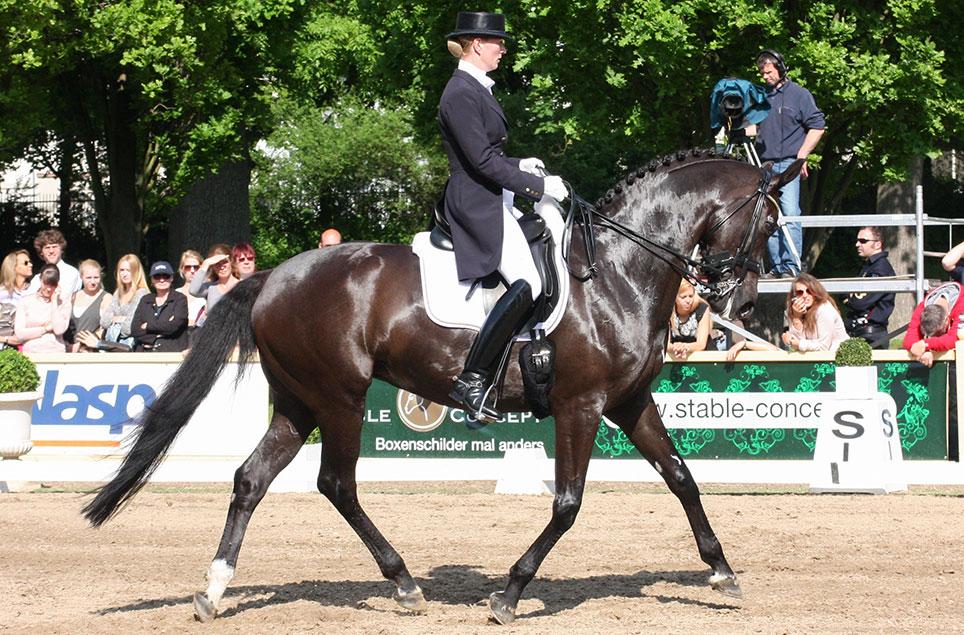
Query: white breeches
516, 263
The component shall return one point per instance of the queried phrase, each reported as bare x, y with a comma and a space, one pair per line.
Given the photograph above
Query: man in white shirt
50, 245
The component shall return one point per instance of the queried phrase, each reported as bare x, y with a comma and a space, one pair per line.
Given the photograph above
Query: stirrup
471, 390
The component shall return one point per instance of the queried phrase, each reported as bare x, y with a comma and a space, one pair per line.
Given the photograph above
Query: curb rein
716, 269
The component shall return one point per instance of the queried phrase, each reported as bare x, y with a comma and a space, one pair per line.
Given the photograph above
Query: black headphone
780, 63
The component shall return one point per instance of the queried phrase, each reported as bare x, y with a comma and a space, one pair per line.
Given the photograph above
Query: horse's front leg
574, 443
644, 427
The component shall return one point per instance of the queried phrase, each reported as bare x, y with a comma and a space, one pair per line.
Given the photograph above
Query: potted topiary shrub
18, 394
856, 375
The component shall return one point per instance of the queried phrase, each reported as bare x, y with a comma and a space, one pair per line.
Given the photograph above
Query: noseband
720, 273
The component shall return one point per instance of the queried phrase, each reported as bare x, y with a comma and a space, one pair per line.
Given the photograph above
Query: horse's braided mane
682, 156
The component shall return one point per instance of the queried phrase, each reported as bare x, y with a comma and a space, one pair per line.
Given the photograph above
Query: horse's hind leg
336, 480
648, 434
289, 428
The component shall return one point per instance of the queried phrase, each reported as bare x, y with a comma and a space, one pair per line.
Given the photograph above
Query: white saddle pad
445, 295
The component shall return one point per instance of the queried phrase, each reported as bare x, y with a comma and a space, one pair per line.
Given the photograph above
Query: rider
479, 196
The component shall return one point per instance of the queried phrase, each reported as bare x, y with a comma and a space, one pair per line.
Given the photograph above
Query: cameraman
791, 132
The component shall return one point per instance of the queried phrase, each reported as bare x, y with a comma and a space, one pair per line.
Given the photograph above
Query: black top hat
479, 23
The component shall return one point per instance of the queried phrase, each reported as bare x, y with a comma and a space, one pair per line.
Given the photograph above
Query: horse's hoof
413, 601
501, 611
204, 609
726, 584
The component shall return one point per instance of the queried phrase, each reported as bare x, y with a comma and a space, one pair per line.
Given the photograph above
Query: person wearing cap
478, 200
160, 320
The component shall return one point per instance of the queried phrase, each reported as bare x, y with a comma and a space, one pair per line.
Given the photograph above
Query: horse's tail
229, 323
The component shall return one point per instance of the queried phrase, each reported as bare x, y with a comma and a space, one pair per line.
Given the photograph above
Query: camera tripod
737, 142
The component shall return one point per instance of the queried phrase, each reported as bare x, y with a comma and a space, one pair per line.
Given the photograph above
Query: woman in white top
214, 278
131, 286
189, 265
15, 274
42, 317
812, 317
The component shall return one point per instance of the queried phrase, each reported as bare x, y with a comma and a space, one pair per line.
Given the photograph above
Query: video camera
735, 103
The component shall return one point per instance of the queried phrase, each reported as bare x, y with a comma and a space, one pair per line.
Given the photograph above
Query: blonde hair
8, 271
458, 46
189, 253
138, 281
90, 262
684, 285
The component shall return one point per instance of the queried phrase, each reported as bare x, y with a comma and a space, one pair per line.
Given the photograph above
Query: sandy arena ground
806, 563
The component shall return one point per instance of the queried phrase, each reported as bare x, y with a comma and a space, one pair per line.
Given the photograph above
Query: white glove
532, 165
555, 188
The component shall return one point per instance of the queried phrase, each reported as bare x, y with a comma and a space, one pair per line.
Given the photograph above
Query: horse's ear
786, 176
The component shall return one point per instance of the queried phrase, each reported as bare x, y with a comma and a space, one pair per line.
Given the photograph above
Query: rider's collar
476, 72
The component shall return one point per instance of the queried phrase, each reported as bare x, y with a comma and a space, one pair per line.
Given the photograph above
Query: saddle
541, 244
456, 304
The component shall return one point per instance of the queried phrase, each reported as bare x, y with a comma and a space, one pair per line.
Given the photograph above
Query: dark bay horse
328, 321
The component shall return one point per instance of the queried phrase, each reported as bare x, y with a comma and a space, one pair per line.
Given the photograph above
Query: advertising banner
712, 411
86, 408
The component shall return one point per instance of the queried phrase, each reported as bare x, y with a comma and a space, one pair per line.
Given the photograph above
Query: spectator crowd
61, 308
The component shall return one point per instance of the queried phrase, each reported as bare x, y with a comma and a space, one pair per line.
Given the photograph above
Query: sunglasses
801, 292
190, 267
864, 241
243, 258
161, 276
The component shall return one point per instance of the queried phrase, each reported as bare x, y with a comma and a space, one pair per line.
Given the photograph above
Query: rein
717, 269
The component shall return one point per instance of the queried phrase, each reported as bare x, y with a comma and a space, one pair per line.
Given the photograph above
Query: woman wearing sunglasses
242, 260
160, 320
189, 265
214, 278
812, 316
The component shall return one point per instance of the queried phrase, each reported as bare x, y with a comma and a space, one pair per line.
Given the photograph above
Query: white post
919, 213
521, 471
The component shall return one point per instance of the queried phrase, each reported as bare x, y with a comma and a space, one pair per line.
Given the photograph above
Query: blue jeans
779, 250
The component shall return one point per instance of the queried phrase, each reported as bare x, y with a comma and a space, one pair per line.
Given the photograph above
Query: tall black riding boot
509, 314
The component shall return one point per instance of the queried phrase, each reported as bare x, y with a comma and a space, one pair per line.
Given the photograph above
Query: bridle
719, 274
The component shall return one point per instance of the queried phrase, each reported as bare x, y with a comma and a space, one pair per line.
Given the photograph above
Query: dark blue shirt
872, 308
792, 113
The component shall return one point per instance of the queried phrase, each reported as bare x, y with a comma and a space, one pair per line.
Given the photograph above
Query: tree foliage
598, 86
594, 87
353, 166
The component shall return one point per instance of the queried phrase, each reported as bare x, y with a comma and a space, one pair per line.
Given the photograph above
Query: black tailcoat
473, 130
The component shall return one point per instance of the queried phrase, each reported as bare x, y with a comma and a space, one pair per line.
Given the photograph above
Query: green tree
354, 165
163, 96
597, 87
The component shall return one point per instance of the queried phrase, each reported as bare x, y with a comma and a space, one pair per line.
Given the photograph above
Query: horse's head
733, 240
